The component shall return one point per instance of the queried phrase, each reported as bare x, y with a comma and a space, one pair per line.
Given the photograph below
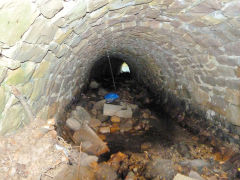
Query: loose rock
196, 163
195, 175
105, 172
117, 110
99, 105
184, 150
90, 142
182, 177
161, 168
73, 124
126, 125
81, 115
94, 85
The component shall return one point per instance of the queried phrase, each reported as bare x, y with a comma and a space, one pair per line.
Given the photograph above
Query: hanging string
111, 71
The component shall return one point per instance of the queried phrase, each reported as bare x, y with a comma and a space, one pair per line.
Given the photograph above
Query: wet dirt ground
151, 145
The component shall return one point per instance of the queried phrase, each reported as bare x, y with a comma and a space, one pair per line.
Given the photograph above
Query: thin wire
111, 71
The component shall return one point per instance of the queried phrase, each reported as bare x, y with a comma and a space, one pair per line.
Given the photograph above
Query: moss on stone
21, 75
42, 69
16, 118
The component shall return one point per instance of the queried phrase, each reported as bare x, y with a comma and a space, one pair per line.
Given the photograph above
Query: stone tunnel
185, 51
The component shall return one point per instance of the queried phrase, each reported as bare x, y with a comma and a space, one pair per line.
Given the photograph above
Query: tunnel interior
184, 65
110, 68
155, 127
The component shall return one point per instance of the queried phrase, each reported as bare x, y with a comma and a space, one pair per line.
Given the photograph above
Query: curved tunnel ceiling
184, 47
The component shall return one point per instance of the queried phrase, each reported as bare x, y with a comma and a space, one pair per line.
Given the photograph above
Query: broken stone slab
81, 115
73, 124
182, 177
196, 163
87, 160
89, 141
117, 110
50, 8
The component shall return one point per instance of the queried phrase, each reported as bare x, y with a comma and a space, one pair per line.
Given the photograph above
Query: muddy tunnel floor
139, 141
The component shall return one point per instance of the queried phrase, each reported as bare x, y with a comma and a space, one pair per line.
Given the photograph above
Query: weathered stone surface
3, 73
137, 2
214, 18
62, 51
231, 9
116, 110
81, 115
94, 5
38, 89
15, 19
16, 118
20, 75
50, 7
26, 52
9, 63
41, 70
91, 143
2, 99
233, 96
195, 175
41, 32
61, 35
73, 124
189, 48
78, 10
118, 4
27, 89
233, 114
196, 163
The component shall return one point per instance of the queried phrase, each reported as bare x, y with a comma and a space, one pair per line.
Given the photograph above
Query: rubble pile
127, 139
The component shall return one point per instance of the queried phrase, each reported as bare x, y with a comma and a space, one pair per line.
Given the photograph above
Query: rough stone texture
15, 18
50, 8
184, 50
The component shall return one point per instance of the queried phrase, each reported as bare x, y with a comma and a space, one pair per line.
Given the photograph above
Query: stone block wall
187, 48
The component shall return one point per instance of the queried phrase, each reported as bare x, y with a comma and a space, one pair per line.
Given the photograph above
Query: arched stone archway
188, 49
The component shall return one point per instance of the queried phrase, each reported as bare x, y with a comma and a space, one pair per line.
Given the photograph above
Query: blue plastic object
110, 97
